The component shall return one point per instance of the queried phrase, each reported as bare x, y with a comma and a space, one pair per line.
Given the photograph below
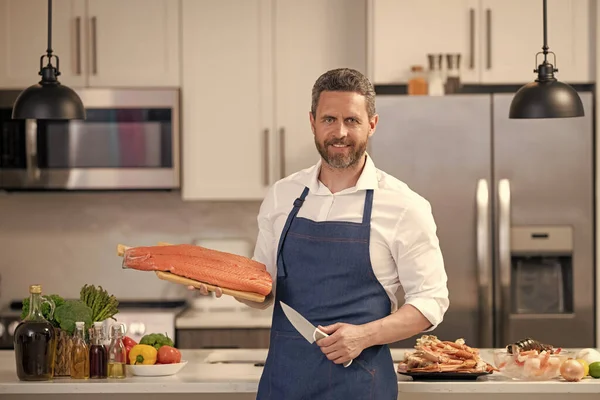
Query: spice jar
417, 85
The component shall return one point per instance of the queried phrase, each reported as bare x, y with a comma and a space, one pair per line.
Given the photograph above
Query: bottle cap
98, 324
35, 289
79, 324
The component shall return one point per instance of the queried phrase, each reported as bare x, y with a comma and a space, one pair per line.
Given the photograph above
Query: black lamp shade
48, 101
546, 99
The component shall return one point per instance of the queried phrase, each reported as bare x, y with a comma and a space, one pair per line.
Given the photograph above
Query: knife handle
318, 335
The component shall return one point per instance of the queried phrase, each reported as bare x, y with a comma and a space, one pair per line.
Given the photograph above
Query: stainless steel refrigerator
513, 201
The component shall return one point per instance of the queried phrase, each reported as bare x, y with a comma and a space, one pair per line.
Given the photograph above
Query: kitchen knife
306, 329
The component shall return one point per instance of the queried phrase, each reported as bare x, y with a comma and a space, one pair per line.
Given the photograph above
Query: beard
341, 160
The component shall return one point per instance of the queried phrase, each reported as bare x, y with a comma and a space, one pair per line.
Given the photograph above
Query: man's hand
345, 342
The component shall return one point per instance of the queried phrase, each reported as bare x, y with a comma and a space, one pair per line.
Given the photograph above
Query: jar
417, 84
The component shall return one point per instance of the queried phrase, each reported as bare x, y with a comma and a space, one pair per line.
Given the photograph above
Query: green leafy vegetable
56, 299
72, 311
156, 340
103, 305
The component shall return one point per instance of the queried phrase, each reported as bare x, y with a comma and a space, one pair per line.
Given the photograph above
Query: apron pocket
291, 371
300, 370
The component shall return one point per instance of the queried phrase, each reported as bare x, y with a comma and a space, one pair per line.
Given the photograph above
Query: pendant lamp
48, 99
546, 97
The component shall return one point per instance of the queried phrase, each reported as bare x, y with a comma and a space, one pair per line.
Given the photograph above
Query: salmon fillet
215, 267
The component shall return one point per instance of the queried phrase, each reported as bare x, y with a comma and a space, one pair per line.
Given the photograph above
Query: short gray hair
344, 80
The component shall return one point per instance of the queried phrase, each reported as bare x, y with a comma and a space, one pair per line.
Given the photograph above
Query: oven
129, 140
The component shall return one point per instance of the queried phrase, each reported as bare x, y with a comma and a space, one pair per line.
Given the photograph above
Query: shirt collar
367, 179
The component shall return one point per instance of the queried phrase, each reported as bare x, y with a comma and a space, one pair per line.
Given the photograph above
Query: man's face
342, 128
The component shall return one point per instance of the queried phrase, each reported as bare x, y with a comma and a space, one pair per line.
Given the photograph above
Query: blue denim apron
324, 272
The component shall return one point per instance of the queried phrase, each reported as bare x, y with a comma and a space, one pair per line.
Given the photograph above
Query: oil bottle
98, 354
116, 353
35, 340
80, 357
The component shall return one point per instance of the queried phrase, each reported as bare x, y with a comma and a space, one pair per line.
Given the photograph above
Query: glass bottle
116, 353
98, 354
417, 85
35, 340
80, 356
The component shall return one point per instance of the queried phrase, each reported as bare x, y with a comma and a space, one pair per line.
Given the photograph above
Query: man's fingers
218, 292
341, 360
202, 289
334, 355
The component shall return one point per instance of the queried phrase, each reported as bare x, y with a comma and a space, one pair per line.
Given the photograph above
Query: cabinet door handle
488, 17
282, 152
266, 155
94, 45
78, 45
472, 38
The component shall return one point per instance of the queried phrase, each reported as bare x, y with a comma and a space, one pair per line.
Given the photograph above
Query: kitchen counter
231, 375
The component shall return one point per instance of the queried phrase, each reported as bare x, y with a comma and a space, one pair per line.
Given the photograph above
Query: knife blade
310, 332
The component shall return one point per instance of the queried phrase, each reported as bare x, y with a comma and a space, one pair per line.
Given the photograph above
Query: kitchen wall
64, 240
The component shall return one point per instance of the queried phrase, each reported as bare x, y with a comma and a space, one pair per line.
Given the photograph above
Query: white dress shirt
404, 246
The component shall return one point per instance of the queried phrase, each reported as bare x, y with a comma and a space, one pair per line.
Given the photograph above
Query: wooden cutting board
167, 276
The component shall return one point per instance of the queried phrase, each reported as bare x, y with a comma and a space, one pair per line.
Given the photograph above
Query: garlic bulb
589, 355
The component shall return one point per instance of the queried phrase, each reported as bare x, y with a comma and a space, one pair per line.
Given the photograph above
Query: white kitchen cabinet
24, 39
227, 105
311, 38
100, 43
497, 39
248, 67
403, 32
133, 43
516, 35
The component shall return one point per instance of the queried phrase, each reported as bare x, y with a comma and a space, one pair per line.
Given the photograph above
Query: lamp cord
49, 50
545, 47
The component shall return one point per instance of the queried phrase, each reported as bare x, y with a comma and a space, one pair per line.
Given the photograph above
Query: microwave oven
129, 140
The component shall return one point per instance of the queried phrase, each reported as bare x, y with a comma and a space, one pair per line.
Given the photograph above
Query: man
339, 238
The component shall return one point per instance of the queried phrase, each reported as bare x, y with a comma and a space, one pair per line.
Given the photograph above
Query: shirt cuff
430, 308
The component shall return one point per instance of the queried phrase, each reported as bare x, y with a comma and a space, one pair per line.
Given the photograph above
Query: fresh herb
56, 299
156, 340
103, 305
72, 311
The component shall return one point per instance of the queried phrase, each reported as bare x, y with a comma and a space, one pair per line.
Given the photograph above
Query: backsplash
65, 240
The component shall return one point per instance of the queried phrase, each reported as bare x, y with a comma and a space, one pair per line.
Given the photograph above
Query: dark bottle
98, 354
35, 340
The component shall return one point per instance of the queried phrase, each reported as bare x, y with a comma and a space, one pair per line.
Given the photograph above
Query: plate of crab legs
435, 359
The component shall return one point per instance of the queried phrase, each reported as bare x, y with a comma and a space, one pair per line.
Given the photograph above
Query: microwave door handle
504, 257
33, 170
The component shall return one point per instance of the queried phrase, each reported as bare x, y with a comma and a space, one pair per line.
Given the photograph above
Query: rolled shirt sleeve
420, 263
266, 242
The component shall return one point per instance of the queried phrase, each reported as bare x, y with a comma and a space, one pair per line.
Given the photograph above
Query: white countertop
208, 371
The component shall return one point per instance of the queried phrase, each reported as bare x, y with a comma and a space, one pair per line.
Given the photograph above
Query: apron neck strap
368, 207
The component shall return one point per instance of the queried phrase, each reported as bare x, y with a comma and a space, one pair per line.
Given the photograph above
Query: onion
572, 370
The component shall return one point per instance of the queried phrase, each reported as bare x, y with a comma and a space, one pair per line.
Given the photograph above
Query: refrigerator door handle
504, 258
484, 270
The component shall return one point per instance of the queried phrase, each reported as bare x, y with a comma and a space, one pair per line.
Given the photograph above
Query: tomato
129, 342
168, 355
127, 350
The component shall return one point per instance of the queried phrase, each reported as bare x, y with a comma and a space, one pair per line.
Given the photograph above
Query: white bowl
156, 369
